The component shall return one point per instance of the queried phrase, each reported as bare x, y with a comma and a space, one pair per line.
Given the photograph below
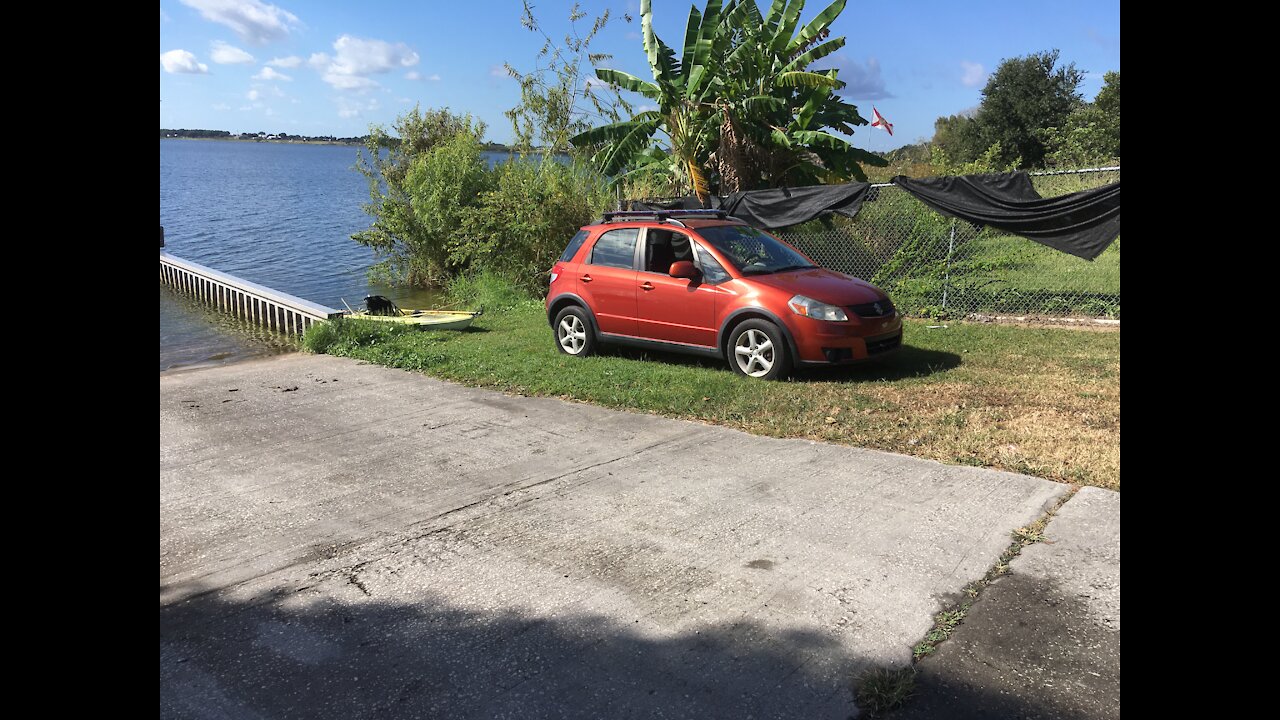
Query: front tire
573, 332
758, 349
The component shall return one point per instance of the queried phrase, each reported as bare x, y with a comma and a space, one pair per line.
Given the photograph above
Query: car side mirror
683, 269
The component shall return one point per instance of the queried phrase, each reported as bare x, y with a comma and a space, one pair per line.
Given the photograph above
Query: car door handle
586, 278
646, 287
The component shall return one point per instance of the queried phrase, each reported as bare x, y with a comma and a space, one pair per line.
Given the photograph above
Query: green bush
440, 212
340, 335
443, 186
488, 289
519, 226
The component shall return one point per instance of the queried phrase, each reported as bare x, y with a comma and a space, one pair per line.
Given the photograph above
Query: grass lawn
1041, 401
1030, 266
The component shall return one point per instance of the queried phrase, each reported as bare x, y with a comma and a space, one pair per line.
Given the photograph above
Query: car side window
574, 244
712, 271
664, 247
616, 248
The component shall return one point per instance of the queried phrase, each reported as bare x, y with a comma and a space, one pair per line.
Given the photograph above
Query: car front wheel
573, 332
757, 349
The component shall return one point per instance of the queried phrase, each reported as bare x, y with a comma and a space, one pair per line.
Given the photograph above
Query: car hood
822, 285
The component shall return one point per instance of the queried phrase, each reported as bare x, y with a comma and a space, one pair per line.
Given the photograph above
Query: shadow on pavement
1024, 638
302, 655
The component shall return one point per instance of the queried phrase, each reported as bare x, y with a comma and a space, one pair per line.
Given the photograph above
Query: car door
608, 281
668, 309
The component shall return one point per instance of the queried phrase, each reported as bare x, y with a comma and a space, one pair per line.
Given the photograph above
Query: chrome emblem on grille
879, 310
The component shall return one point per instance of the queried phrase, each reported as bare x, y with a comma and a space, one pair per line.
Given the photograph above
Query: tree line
1032, 115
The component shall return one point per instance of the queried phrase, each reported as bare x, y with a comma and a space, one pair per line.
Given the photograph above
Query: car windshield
751, 251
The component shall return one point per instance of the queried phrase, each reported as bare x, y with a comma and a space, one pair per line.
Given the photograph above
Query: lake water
279, 215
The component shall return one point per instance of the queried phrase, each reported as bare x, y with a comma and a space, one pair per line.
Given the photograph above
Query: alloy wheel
572, 334
754, 353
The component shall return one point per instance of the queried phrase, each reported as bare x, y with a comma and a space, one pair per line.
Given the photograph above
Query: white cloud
349, 82
164, 17
353, 108
254, 95
181, 61
267, 73
225, 54
413, 75
222, 106
974, 74
356, 59
291, 61
498, 71
862, 81
254, 21
435, 77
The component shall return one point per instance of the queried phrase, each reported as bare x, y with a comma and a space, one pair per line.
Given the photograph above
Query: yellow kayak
382, 310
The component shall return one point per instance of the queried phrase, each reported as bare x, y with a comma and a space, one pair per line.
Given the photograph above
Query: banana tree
682, 88
776, 114
740, 108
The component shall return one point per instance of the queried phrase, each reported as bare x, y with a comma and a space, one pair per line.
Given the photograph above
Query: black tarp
777, 207
1082, 224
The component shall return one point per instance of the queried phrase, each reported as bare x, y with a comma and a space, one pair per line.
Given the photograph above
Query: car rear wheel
573, 332
757, 349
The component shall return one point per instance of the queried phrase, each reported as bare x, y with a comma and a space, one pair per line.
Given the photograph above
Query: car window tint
752, 251
574, 244
712, 271
615, 248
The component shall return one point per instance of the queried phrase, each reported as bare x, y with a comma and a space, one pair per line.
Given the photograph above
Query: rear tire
758, 349
573, 333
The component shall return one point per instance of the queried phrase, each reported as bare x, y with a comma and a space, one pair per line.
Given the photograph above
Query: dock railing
248, 301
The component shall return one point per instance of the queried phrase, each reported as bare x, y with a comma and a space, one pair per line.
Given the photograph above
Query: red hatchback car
706, 283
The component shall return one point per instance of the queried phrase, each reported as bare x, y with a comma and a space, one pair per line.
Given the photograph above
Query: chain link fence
936, 266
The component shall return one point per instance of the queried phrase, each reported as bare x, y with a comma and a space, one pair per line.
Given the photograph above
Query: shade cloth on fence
777, 207
1082, 223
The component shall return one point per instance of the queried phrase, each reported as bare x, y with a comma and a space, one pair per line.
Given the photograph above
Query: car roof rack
665, 216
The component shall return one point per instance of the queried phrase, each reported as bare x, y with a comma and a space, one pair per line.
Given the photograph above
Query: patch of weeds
882, 689
946, 621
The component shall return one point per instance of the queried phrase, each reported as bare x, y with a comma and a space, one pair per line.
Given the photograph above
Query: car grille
869, 310
884, 343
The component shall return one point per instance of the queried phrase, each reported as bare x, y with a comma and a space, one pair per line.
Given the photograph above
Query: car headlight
811, 308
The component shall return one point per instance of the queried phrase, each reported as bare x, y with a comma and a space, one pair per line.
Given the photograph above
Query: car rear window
616, 248
574, 244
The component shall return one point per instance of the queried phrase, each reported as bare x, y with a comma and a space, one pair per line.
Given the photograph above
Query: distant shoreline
291, 141
264, 140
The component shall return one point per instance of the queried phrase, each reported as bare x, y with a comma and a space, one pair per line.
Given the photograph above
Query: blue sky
333, 68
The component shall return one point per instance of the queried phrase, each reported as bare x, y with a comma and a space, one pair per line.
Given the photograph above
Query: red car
705, 283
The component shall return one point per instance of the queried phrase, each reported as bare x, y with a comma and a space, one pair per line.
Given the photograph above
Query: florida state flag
879, 121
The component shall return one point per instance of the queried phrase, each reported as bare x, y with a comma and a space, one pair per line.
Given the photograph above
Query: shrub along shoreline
1040, 401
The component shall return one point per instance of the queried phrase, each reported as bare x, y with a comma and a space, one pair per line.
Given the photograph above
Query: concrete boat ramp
344, 540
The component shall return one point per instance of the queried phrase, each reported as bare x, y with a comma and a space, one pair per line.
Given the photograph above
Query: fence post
946, 281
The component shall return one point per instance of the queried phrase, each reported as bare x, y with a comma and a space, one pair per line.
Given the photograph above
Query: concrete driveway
344, 540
